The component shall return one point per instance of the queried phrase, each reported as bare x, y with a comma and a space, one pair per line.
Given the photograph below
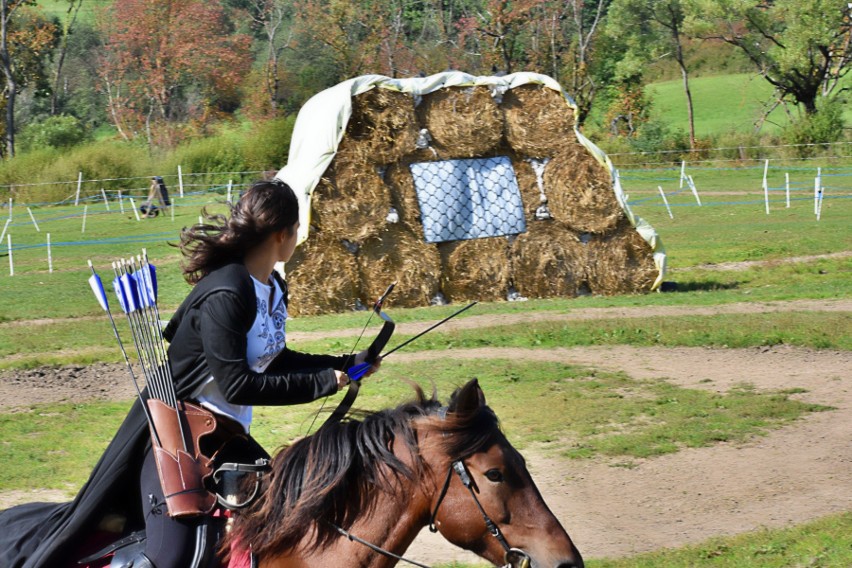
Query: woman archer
227, 353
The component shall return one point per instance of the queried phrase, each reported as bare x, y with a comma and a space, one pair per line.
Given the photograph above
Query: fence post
180, 180
766, 186
49, 256
666, 201
6, 226
33, 219
817, 185
85, 213
135, 212
106, 201
79, 186
787, 187
11, 264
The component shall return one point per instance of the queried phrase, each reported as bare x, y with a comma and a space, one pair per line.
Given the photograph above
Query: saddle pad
468, 199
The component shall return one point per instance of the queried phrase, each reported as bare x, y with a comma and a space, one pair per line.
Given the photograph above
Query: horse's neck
392, 524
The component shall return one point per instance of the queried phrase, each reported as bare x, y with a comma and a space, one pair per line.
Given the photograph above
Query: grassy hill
723, 104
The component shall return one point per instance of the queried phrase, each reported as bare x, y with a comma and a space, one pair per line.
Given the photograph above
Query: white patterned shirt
264, 341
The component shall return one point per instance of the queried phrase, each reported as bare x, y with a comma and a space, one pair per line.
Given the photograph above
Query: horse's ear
468, 399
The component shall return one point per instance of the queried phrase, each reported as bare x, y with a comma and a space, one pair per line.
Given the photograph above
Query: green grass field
52, 318
723, 104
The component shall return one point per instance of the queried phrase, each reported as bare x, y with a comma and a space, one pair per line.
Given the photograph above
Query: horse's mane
334, 475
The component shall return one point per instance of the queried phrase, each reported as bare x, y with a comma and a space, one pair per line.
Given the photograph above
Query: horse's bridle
514, 557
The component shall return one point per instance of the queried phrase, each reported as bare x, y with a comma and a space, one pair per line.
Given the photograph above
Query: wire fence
26, 226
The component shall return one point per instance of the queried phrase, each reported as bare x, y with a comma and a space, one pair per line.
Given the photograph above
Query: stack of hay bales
365, 216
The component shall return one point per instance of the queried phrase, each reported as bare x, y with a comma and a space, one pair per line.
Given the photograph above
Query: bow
356, 372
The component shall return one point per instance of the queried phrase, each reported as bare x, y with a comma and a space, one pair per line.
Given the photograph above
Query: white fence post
135, 212
33, 219
79, 186
787, 187
49, 256
766, 186
666, 201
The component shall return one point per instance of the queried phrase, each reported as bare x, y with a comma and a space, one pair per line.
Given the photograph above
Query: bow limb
358, 371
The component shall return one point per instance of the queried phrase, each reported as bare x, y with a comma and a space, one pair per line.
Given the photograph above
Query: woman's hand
362, 357
342, 379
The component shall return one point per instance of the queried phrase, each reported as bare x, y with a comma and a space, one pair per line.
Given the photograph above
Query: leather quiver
182, 467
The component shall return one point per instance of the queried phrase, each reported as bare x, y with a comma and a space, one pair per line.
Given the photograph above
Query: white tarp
321, 124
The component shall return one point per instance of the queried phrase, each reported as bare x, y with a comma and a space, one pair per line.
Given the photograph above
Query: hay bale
476, 269
396, 254
322, 277
382, 127
351, 201
464, 122
620, 262
579, 191
538, 120
548, 260
403, 197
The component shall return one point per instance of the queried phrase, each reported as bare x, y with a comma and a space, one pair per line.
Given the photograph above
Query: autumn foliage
169, 62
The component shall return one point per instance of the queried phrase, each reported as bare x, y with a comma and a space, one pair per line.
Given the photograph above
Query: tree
501, 25
271, 16
170, 62
556, 37
802, 47
25, 42
67, 25
651, 29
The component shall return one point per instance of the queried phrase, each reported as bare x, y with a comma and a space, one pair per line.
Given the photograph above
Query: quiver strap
183, 469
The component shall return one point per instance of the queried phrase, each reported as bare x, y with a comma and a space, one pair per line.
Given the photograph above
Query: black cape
207, 335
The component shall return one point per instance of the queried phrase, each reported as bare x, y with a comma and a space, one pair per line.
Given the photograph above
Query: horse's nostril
571, 564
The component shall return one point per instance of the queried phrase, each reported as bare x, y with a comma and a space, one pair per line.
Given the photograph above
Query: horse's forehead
502, 451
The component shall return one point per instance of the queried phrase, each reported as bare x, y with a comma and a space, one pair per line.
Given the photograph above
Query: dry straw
528, 185
620, 262
323, 277
464, 122
382, 127
579, 191
396, 254
404, 197
351, 201
476, 269
548, 260
538, 120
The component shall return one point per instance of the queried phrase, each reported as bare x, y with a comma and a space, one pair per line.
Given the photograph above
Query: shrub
60, 131
812, 132
267, 145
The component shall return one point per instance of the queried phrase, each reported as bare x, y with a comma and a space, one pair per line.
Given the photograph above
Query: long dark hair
265, 207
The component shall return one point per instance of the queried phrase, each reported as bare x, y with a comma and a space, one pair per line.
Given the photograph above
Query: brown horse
357, 492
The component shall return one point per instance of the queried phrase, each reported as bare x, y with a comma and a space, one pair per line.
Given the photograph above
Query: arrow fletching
146, 284
127, 292
98, 288
356, 372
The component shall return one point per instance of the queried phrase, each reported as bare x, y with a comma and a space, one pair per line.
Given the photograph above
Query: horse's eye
494, 475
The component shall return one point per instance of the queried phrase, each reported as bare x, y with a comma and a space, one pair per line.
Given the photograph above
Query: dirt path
795, 474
